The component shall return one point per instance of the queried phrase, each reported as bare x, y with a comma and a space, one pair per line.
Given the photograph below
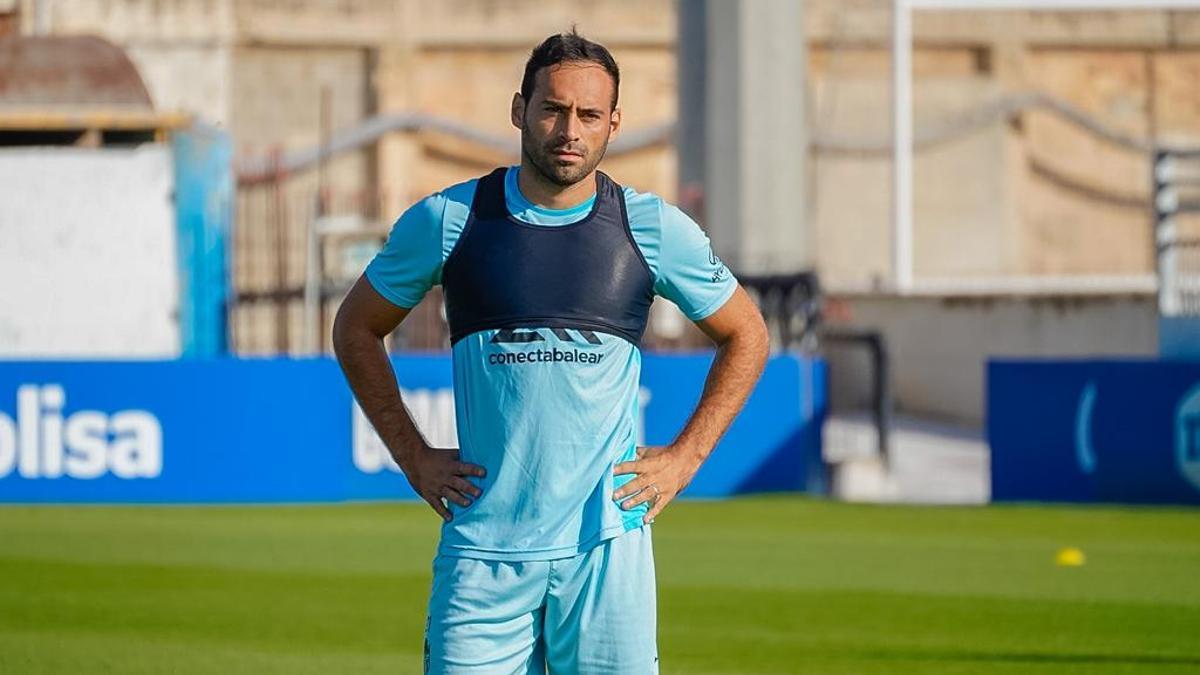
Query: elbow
760, 339
752, 339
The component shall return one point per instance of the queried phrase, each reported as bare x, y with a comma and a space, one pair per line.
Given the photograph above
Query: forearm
369, 373
735, 370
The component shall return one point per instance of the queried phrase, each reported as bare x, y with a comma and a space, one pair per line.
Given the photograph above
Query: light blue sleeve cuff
717, 303
386, 291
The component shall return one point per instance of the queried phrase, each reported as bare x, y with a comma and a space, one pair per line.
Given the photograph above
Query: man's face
568, 121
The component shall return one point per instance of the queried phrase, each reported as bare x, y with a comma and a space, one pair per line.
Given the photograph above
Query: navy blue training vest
505, 273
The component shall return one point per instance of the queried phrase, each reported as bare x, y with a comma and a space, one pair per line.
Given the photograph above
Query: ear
614, 124
517, 111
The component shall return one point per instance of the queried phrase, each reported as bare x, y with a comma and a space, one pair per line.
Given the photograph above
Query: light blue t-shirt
547, 429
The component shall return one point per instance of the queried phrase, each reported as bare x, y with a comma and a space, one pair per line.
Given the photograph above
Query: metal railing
792, 307
1177, 249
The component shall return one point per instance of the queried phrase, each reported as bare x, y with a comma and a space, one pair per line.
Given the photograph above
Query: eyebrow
582, 109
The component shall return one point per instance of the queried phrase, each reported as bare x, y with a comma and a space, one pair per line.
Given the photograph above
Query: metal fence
1177, 231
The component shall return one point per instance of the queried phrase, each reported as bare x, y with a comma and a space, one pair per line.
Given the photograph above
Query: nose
569, 127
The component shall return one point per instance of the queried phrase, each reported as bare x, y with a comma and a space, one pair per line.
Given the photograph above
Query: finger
455, 496
467, 469
629, 488
646, 495
655, 510
436, 503
627, 467
465, 486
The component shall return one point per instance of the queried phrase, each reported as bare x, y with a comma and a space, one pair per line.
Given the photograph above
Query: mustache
572, 148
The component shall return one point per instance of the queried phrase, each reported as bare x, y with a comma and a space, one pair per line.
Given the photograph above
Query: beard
541, 157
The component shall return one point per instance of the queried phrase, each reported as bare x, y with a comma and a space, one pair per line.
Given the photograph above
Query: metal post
279, 231
1164, 202
312, 282
690, 135
883, 395
902, 142
314, 270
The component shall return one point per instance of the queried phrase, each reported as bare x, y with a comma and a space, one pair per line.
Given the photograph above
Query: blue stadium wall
286, 430
1121, 431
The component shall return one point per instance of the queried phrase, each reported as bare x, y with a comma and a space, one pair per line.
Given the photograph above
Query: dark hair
565, 47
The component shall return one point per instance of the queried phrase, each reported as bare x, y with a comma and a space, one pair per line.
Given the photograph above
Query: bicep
365, 308
410, 262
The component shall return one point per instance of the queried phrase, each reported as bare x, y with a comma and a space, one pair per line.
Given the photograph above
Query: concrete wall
88, 253
277, 104
963, 192
1034, 196
939, 345
181, 48
984, 204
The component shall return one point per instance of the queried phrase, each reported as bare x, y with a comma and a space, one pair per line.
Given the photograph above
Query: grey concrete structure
940, 344
755, 143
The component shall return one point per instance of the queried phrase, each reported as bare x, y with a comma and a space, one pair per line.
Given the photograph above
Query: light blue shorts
592, 613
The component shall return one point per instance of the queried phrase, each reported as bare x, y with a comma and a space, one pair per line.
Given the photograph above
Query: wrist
406, 454
690, 453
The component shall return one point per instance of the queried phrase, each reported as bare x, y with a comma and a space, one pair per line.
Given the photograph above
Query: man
548, 270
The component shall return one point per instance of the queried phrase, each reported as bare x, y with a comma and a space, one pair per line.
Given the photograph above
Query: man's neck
550, 195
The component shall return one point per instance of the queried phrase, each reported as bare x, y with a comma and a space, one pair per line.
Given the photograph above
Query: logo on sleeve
722, 271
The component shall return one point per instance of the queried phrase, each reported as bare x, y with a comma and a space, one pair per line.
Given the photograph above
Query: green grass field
762, 585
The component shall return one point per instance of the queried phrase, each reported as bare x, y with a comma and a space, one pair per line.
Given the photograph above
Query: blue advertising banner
1124, 431
288, 430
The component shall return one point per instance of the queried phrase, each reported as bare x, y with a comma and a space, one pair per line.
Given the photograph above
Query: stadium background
188, 187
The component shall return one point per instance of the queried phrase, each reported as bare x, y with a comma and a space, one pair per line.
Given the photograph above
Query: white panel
87, 253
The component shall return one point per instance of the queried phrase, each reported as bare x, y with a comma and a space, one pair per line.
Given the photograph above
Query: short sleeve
689, 273
411, 260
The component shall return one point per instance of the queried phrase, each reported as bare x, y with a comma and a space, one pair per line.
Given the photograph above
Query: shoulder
438, 218
651, 216
449, 201
651, 207
657, 226
460, 194
644, 209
